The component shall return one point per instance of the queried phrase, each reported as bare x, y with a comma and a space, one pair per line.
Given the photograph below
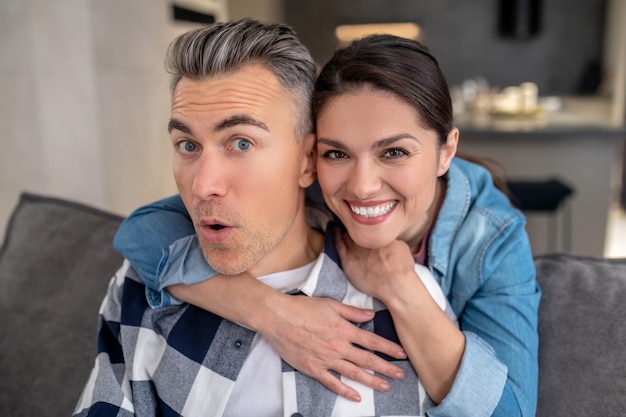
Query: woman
386, 167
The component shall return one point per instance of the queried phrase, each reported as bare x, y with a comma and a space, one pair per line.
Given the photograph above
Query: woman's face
378, 167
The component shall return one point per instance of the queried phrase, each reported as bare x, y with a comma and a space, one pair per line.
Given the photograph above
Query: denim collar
455, 207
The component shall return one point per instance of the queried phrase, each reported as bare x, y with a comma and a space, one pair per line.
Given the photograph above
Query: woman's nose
364, 180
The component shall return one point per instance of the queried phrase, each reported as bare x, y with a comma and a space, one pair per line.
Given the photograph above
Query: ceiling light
348, 33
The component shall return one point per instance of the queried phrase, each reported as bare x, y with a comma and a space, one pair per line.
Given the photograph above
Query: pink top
420, 255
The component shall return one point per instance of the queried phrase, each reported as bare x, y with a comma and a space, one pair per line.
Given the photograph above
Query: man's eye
242, 144
186, 146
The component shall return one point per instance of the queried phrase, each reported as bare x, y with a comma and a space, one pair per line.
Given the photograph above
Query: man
243, 155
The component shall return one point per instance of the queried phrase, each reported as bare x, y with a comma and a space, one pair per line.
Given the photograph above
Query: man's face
240, 169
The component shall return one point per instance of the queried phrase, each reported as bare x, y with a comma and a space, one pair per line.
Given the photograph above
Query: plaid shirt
184, 361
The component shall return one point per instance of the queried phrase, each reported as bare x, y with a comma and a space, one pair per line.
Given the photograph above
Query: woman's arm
504, 314
431, 340
144, 238
493, 370
313, 335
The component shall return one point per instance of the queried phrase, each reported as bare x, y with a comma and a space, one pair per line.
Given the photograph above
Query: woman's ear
447, 151
308, 170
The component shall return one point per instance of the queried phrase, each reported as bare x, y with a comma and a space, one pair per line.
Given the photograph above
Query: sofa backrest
55, 265
582, 336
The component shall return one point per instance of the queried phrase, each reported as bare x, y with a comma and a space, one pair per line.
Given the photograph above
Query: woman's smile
369, 211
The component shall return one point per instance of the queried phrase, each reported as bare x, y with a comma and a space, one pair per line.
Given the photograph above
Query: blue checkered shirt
184, 361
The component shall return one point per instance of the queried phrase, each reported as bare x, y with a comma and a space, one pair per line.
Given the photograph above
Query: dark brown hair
402, 67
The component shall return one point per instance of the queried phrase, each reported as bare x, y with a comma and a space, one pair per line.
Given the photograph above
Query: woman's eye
395, 153
333, 155
186, 146
241, 144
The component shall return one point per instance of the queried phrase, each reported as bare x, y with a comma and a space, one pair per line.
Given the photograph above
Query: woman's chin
371, 242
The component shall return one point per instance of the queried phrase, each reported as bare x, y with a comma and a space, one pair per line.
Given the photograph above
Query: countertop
577, 116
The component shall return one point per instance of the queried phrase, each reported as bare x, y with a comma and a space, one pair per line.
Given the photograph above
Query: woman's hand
316, 336
431, 340
378, 272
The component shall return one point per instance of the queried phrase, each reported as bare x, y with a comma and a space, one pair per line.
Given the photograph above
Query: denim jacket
480, 255
478, 252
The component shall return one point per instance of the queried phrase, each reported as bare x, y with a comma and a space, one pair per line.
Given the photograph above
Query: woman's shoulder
488, 229
477, 219
484, 197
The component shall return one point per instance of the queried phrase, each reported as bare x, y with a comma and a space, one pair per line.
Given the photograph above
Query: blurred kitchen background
539, 86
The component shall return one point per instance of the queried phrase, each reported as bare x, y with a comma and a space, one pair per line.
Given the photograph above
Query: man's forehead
252, 86
251, 95
248, 75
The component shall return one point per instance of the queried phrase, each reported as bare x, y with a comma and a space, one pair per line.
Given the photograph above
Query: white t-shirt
258, 390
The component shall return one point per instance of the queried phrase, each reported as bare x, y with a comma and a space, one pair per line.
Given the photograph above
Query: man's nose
210, 177
364, 180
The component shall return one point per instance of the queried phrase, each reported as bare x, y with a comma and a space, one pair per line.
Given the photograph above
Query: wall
267, 11
614, 59
48, 119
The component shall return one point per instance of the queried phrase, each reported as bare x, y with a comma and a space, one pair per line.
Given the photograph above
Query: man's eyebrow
239, 120
224, 124
178, 125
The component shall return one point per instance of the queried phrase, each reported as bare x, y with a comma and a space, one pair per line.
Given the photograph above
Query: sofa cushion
582, 336
55, 265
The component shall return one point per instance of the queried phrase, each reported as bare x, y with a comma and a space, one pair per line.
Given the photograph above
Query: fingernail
384, 386
356, 398
401, 355
399, 375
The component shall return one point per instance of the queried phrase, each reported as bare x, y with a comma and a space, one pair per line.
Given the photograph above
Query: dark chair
547, 197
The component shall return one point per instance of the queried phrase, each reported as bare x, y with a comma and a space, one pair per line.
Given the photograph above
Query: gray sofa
57, 259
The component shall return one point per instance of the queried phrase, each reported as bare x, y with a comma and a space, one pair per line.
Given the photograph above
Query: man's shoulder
178, 325
126, 303
200, 345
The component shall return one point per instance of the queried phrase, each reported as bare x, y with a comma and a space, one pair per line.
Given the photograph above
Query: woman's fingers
366, 339
321, 337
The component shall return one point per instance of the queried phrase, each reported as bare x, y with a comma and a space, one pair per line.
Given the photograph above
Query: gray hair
222, 48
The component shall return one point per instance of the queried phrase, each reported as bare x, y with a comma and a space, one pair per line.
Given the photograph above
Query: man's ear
308, 171
447, 151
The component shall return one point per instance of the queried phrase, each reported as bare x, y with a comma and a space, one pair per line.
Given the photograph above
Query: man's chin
234, 259
228, 268
225, 264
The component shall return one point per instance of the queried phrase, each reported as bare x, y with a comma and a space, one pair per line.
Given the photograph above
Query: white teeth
373, 211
